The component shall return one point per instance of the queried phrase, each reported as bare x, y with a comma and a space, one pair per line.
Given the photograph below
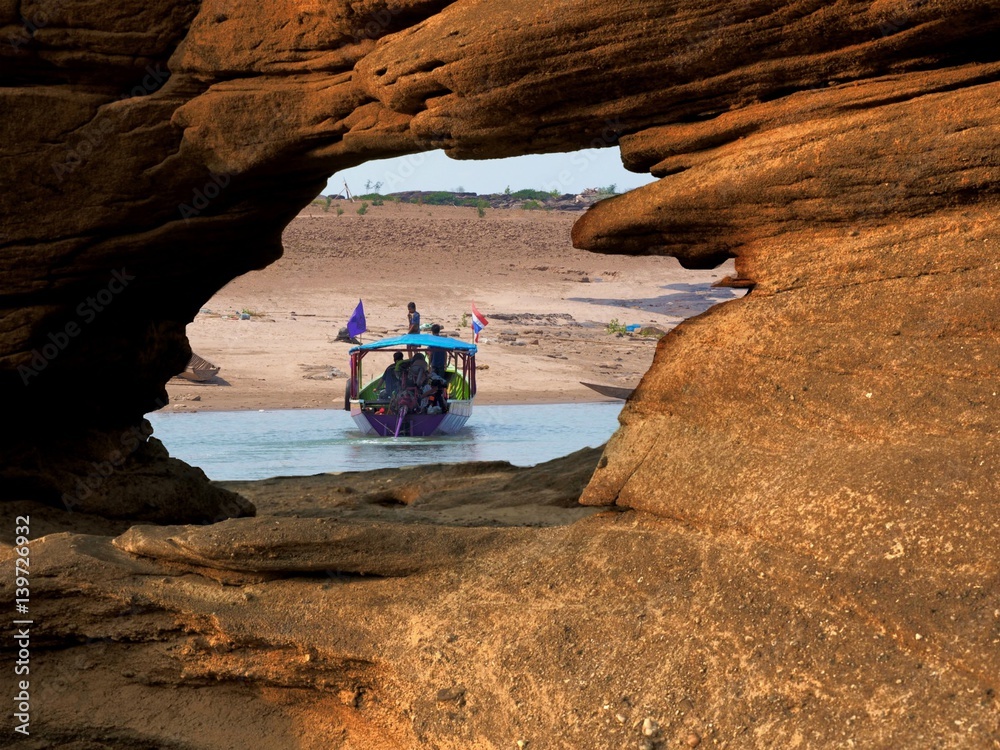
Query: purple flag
357, 323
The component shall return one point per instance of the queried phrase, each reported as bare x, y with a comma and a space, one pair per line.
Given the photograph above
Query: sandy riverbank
549, 305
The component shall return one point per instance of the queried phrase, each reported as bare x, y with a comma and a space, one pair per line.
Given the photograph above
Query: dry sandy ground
510, 263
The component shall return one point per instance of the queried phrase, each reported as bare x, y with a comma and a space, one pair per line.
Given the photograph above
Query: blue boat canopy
423, 340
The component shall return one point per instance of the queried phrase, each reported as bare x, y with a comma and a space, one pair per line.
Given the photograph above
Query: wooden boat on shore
437, 407
612, 391
199, 370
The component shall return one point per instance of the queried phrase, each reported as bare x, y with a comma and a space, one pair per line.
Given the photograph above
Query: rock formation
818, 458
475, 606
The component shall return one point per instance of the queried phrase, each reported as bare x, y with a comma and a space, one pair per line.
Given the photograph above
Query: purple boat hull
412, 425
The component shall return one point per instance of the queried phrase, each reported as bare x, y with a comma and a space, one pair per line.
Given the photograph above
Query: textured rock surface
567, 635
147, 147
386, 524
820, 456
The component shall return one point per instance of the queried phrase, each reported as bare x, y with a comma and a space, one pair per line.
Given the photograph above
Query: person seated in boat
391, 378
439, 357
414, 378
405, 399
416, 372
435, 395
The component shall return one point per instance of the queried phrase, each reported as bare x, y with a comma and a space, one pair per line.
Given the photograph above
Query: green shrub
439, 198
538, 195
363, 209
616, 327
340, 211
531, 205
481, 208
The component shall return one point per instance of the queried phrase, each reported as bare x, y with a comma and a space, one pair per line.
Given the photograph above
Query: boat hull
412, 425
612, 391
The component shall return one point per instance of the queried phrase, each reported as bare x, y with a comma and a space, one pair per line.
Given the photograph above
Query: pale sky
432, 170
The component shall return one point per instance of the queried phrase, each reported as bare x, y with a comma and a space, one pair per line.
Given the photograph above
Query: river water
300, 442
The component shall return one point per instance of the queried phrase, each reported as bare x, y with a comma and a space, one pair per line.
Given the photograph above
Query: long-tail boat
414, 409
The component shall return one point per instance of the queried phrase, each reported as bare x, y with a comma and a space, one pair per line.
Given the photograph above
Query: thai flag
479, 322
357, 324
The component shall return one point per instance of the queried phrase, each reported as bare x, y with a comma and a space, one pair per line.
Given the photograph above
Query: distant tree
507, 190
537, 195
439, 198
372, 187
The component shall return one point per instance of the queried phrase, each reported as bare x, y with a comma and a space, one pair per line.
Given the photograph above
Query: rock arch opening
560, 317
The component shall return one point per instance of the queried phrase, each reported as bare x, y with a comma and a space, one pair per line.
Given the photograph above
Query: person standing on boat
412, 318
439, 357
413, 323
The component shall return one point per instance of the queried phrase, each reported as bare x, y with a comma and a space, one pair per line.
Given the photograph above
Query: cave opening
495, 235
